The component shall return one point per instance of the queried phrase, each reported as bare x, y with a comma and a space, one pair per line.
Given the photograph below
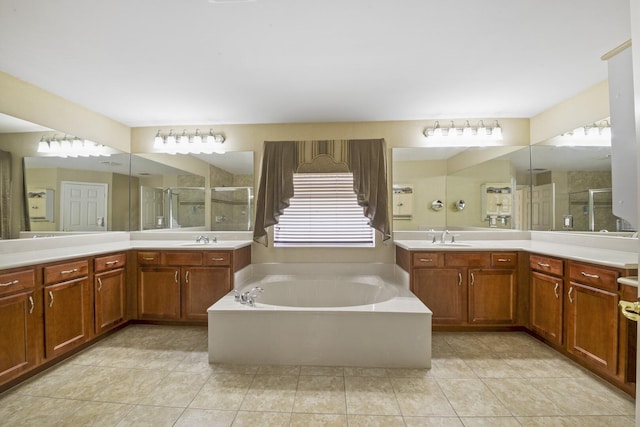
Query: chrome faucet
444, 235
248, 297
202, 239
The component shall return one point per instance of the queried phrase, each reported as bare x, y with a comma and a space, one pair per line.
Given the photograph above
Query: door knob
630, 310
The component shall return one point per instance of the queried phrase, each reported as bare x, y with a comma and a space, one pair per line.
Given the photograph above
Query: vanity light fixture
189, 143
70, 147
465, 136
592, 135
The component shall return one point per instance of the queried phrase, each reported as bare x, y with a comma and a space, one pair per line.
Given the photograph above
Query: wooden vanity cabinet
67, 306
109, 291
21, 320
547, 297
158, 288
181, 285
464, 288
592, 315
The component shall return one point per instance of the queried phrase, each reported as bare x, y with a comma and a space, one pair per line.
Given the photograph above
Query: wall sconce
459, 204
187, 143
71, 147
592, 135
464, 136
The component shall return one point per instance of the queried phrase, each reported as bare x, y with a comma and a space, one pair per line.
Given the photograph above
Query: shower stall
591, 210
231, 208
173, 207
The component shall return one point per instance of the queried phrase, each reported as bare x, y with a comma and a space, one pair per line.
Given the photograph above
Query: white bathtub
322, 314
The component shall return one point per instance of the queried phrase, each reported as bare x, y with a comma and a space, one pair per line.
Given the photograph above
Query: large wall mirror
181, 192
50, 195
460, 188
572, 189
557, 185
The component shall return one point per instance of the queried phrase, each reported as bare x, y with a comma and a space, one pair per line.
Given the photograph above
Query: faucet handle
236, 295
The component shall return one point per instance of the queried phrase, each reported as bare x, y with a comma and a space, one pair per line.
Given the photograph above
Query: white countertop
607, 257
23, 252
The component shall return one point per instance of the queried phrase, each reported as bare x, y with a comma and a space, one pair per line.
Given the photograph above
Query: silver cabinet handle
544, 264
504, 259
99, 284
555, 290
186, 277
13, 282
222, 259
175, 276
570, 290
473, 279
459, 279
32, 305
593, 276
111, 262
73, 270
51, 298
426, 259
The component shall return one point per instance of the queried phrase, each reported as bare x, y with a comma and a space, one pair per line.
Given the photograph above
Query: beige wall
586, 107
27, 102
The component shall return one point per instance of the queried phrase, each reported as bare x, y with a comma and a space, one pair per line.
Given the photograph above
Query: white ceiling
164, 62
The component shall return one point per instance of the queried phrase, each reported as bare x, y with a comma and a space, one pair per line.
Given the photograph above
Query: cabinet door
443, 290
159, 293
109, 299
592, 325
67, 315
492, 296
17, 334
546, 306
202, 286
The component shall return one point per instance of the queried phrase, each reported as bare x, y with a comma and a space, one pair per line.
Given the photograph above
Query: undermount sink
199, 244
452, 245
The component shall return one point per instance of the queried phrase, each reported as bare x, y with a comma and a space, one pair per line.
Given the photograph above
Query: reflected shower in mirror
192, 192
571, 189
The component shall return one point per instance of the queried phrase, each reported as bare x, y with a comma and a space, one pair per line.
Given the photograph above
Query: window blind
324, 211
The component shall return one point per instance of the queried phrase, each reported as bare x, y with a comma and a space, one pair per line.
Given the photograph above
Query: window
323, 211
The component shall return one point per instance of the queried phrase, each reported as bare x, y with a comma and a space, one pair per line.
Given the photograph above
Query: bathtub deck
392, 334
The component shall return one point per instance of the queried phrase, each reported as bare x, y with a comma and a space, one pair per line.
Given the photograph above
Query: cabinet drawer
67, 271
217, 258
546, 264
504, 259
592, 275
427, 259
148, 258
479, 259
110, 261
181, 258
17, 281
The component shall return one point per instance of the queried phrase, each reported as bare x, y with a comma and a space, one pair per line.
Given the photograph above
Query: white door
151, 208
83, 206
543, 207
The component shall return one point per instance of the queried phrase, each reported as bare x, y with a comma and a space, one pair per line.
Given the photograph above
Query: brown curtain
367, 161
279, 161
5, 194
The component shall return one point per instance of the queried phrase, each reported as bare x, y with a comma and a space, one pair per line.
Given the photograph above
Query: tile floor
159, 375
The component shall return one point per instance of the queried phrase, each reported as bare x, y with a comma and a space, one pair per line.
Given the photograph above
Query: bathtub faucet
249, 297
